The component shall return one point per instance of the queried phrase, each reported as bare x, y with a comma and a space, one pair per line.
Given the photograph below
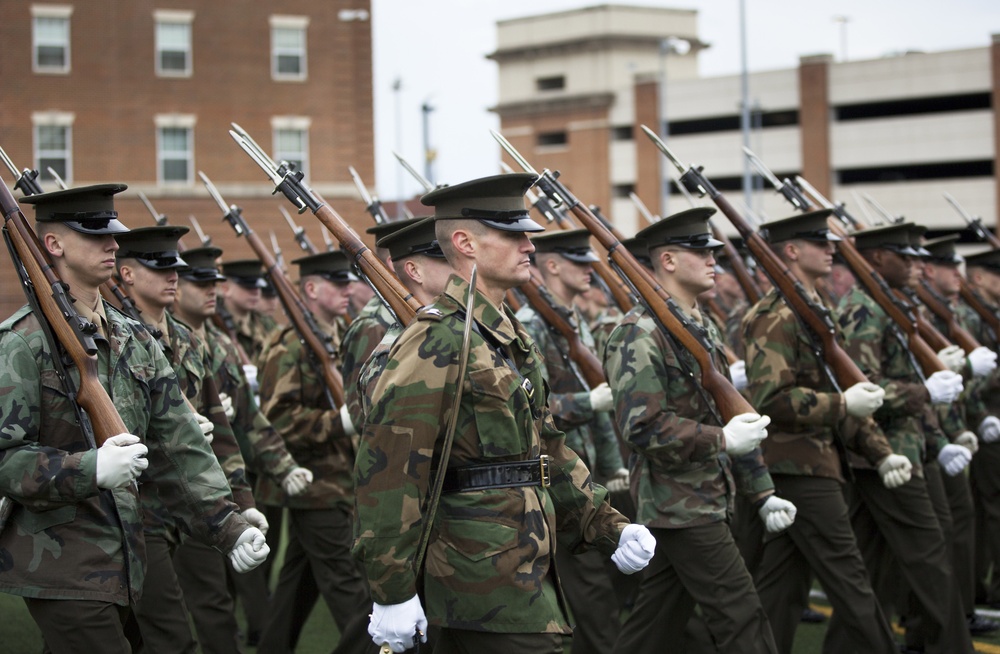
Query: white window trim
278, 20
178, 17
57, 119
186, 121
298, 123
51, 11
290, 22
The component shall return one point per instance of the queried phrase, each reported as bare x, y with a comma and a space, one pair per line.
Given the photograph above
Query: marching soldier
74, 544
242, 293
684, 462
787, 380
510, 483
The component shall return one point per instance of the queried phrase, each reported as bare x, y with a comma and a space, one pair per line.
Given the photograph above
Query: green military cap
269, 290
989, 259
687, 229
416, 238
942, 250
496, 201
573, 244
812, 226
898, 238
201, 265
916, 234
153, 247
85, 209
382, 230
248, 273
333, 266
637, 248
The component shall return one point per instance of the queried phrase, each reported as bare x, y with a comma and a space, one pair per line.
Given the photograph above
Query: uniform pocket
36, 521
503, 415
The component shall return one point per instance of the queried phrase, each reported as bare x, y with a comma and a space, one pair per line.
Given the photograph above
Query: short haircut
444, 229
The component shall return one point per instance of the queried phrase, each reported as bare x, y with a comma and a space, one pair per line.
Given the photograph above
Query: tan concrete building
143, 93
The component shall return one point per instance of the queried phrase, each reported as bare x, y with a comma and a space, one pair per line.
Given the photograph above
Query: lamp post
397, 86
668, 46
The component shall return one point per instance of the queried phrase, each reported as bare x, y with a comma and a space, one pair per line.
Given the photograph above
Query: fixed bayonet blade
643, 209
515, 155
59, 180
762, 169
205, 239
423, 181
161, 219
214, 192
662, 147
365, 196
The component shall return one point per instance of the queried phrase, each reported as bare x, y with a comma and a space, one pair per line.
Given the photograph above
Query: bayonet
205, 239
276, 247
974, 222
785, 187
423, 181
887, 217
839, 209
300, 233
328, 240
869, 218
643, 209
160, 218
55, 176
285, 179
25, 180
372, 203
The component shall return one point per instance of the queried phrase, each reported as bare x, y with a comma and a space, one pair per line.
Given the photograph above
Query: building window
622, 133
175, 149
622, 190
288, 47
291, 141
50, 38
173, 43
551, 138
54, 145
556, 83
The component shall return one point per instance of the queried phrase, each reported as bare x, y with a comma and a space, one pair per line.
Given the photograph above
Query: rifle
661, 306
318, 342
205, 239
839, 210
372, 204
276, 249
159, 218
841, 369
969, 294
899, 311
300, 233
25, 180
290, 183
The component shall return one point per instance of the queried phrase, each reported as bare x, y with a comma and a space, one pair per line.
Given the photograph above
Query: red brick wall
814, 121
649, 160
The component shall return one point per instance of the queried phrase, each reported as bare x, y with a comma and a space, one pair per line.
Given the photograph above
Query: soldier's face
503, 258
154, 287
817, 257
86, 259
242, 299
694, 270
945, 279
196, 298
332, 298
897, 269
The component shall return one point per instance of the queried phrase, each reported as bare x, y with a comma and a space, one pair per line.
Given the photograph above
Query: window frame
162, 17
174, 121
57, 12
46, 119
299, 124
301, 24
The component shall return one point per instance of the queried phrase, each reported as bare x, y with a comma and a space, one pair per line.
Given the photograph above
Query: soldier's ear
126, 274
464, 242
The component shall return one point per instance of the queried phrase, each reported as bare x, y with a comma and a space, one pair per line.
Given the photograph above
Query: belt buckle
543, 466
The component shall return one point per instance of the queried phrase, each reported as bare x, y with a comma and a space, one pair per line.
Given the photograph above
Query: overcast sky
437, 49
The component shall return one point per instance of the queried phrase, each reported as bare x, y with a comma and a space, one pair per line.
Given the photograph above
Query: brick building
143, 93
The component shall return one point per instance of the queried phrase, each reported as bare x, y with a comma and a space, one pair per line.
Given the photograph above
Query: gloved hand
953, 458
227, 406
635, 549
296, 481
989, 429
745, 432
120, 460
953, 358
256, 519
777, 514
969, 441
345, 420
206, 427
249, 551
983, 361
863, 399
600, 398
944, 386
895, 470
398, 624
618, 482
250, 372
738, 373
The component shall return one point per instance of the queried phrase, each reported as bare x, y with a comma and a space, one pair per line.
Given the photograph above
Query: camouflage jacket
878, 347
65, 538
360, 340
970, 410
296, 403
372, 369
987, 389
733, 328
787, 381
253, 333
260, 445
588, 433
602, 326
490, 551
680, 473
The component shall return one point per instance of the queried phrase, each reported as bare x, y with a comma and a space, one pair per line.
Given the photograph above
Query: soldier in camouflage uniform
73, 546
902, 520
242, 293
318, 434
261, 446
511, 482
803, 451
686, 467
147, 262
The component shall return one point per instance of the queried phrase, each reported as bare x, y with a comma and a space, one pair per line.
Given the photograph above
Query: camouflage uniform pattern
787, 382
490, 551
588, 433
681, 476
66, 539
372, 369
253, 333
602, 326
360, 340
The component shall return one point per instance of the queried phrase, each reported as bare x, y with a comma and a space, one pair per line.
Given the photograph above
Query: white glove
895, 470
944, 386
206, 427
397, 625
345, 420
777, 514
249, 551
953, 458
635, 548
296, 481
969, 441
863, 399
738, 373
745, 432
120, 460
256, 519
227, 406
618, 482
250, 372
989, 429
983, 361
953, 358
600, 398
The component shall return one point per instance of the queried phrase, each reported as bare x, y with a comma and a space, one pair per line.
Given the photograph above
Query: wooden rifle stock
91, 395
987, 315
956, 333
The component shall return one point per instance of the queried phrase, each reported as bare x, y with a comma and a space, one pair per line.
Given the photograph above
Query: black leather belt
533, 472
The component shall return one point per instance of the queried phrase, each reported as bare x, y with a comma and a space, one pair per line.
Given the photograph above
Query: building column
814, 121
650, 162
